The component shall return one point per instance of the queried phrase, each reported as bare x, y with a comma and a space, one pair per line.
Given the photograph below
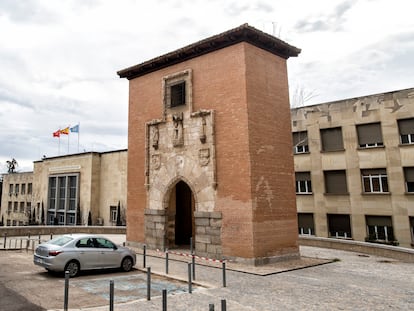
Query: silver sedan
76, 252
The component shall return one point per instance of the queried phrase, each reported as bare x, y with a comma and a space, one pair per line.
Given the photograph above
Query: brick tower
210, 149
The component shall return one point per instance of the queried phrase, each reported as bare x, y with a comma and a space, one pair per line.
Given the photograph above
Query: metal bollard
149, 283
66, 297
211, 307
5, 240
166, 261
40, 239
164, 300
190, 288
51, 235
223, 305
224, 274
21, 244
193, 266
111, 295
144, 258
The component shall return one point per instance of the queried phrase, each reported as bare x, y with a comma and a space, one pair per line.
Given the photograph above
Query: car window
86, 242
104, 243
62, 240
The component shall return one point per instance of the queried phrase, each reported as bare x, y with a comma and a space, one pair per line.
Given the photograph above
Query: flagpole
59, 147
78, 134
68, 140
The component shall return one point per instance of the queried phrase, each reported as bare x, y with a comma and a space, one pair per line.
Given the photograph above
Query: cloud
28, 11
332, 21
375, 68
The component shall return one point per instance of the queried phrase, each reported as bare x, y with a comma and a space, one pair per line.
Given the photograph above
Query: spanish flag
65, 131
56, 134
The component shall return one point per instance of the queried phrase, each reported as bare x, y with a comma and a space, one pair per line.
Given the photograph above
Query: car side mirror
115, 247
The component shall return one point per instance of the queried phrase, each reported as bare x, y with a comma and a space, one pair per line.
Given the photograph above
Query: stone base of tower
260, 261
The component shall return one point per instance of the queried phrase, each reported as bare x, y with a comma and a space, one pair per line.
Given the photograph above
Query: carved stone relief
156, 161
204, 156
178, 137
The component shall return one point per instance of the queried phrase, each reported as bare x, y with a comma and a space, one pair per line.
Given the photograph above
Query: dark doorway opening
184, 216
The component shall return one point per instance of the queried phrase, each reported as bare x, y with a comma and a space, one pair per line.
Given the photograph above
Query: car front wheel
126, 264
73, 268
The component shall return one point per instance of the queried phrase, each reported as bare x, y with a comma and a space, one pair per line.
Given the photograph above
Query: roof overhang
243, 33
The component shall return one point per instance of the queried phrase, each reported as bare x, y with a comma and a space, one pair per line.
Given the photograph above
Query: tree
78, 216
11, 166
34, 216
42, 219
301, 96
90, 219
118, 215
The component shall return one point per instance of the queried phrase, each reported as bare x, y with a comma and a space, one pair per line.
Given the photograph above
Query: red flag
56, 134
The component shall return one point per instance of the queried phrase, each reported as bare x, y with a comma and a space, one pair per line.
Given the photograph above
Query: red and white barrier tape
195, 256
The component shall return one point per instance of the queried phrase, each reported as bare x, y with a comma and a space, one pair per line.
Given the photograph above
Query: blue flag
75, 129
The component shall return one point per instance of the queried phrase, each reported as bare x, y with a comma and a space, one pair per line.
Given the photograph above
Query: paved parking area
351, 281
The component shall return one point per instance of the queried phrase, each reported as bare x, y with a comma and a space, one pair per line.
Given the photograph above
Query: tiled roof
242, 33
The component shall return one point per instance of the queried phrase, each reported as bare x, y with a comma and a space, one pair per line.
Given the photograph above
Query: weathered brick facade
230, 143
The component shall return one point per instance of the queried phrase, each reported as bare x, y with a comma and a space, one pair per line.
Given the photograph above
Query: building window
339, 226
10, 189
28, 207
21, 207
72, 192
306, 224
177, 94
63, 197
29, 188
409, 179
113, 211
16, 189
177, 90
300, 142
10, 206
374, 180
16, 207
379, 229
335, 182
369, 135
71, 219
406, 128
412, 229
23, 191
303, 183
331, 139
62, 186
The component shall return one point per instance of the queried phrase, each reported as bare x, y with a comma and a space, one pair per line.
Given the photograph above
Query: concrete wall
385, 108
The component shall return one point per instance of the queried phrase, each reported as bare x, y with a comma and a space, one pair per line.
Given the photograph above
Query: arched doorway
181, 212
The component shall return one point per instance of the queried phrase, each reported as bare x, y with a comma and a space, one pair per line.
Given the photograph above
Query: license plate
39, 260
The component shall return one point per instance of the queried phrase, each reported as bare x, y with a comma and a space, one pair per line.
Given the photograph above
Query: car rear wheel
126, 264
73, 268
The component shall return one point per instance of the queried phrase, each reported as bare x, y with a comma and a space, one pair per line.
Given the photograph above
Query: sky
58, 59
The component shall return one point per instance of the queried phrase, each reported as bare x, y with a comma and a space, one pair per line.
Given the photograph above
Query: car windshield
62, 240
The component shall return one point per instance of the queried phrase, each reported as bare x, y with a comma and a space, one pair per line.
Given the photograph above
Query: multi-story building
78, 189
354, 167
16, 200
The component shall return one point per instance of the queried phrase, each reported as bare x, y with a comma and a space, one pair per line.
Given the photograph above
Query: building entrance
184, 214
